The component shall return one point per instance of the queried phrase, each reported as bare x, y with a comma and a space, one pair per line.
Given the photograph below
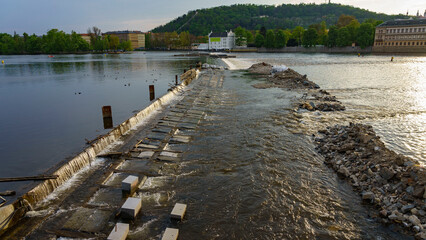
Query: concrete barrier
170, 234
119, 232
129, 184
178, 211
131, 208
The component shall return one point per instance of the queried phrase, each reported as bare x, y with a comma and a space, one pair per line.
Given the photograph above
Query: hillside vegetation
254, 17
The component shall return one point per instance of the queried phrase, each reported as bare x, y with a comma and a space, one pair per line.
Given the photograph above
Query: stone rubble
319, 100
391, 182
261, 69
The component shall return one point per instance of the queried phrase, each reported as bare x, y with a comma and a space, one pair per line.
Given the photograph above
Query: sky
39, 16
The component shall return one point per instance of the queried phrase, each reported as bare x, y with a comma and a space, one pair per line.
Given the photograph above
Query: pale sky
39, 16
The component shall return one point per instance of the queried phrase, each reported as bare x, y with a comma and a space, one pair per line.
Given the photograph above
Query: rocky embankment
312, 100
393, 183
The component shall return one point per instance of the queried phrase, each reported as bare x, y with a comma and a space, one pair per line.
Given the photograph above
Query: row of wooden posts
107, 111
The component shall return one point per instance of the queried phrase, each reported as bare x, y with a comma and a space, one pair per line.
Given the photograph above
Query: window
397, 31
415, 30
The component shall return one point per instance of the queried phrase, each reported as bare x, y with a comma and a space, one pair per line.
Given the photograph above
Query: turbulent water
391, 96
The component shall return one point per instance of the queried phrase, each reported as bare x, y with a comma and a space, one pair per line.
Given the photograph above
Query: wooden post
184, 70
151, 92
107, 117
176, 80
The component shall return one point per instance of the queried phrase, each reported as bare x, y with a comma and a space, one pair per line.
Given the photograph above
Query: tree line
55, 41
345, 32
249, 16
172, 40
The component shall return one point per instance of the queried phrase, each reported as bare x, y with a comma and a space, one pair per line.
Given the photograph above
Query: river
391, 96
251, 170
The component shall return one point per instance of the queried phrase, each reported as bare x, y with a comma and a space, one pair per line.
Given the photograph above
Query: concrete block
131, 208
170, 234
130, 183
119, 232
146, 154
178, 211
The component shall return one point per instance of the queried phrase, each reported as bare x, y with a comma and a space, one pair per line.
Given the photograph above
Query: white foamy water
236, 63
73, 180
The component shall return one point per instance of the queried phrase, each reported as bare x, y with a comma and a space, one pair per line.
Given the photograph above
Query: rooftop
403, 22
220, 34
122, 32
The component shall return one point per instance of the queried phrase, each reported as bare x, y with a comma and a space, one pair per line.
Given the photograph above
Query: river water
250, 170
391, 96
49, 106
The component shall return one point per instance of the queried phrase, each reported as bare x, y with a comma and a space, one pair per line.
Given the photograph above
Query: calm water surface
49, 106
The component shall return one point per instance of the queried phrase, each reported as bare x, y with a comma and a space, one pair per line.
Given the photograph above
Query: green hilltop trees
249, 16
344, 33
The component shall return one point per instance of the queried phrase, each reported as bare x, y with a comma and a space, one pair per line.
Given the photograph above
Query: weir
11, 213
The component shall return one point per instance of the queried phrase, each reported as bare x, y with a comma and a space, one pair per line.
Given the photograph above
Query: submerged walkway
225, 150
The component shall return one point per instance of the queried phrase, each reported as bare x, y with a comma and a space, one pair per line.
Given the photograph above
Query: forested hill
253, 17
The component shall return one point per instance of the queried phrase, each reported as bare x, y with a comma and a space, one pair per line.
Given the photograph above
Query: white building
222, 40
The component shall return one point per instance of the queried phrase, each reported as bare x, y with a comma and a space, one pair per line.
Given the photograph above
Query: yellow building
401, 36
85, 37
137, 38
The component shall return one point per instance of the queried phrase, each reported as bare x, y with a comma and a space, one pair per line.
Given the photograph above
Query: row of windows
401, 44
404, 30
406, 37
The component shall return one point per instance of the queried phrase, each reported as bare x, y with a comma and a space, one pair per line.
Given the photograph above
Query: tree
263, 31
95, 35
148, 41
353, 27
322, 33
310, 38
249, 36
297, 34
174, 39
270, 39
332, 36
185, 39
343, 37
126, 46
365, 35
114, 42
240, 36
281, 39
259, 40
344, 20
